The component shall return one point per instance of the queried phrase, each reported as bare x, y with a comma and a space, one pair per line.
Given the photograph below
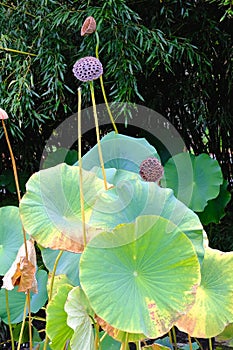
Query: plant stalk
9, 319
51, 290
174, 337
23, 324
97, 134
80, 168
102, 85
190, 342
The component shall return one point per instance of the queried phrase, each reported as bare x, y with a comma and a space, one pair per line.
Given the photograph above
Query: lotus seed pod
3, 114
89, 26
88, 68
151, 170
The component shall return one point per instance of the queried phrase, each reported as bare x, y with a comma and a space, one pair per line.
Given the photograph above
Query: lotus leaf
11, 236
68, 263
195, 188
51, 211
142, 276
120, 152
213, 308
78, 311
56, 326
214, 211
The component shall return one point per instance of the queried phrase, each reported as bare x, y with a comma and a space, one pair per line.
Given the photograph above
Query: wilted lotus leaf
142, 276
213, 308
51, 210
22, 271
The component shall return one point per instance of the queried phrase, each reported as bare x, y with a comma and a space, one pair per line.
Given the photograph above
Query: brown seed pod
151, 170
3, 114
89, 26
88, 68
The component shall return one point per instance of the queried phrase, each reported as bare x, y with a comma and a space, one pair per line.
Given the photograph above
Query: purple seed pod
151, 170
88, 68
89, 26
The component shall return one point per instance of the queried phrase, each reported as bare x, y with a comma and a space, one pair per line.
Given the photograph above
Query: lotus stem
138, 345
97, 134
170, 337
80, 168
102, 85
97, 336
23, 324
51, 290
174, 337
125, 345
29, 319
9, 319
190, 342
210, 344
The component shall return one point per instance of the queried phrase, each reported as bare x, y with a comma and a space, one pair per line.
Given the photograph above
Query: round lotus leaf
11, 236
120, 152
56, 321
214, 211
68, 263
132, 197
142, 276
51, 211
78, 318
226, 336
203, 183
213, 308
17, 300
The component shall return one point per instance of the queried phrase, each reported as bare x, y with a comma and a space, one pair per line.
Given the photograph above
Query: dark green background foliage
173, 56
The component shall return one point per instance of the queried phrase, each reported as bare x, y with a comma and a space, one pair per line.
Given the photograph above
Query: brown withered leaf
22, 271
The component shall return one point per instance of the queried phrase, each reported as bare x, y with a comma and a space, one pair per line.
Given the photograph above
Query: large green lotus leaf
17, 300
196, 188
132, 197
120, 152
56, 326
214, 211
50, 210
11, 236
68, 263
141, 277
213, 308
78, 311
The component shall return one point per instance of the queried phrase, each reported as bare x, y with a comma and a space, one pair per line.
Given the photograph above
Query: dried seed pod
88, 68
89, 26
3, 114
151, 170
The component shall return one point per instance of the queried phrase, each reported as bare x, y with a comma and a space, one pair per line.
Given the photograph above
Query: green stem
210, 344
17, 51
125, 345
9, 319
102, 85
174, 337
23, 324
29, 318
103, 337
138, 345
80, 168
51, 290
98, 134
190, 342
170, 337
97, 336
